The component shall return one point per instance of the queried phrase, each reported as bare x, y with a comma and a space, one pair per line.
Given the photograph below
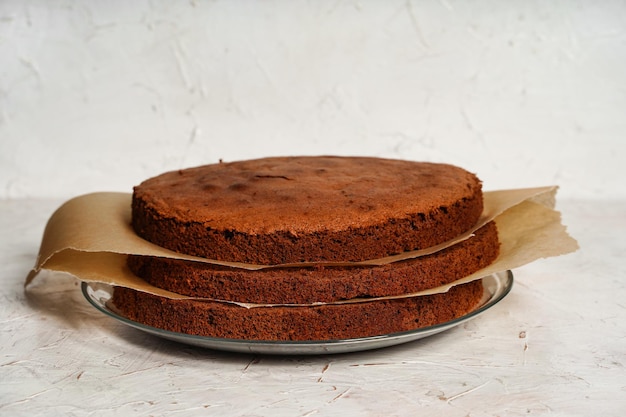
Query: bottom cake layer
298, 323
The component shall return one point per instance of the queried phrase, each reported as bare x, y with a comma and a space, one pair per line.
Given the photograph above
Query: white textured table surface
555, 346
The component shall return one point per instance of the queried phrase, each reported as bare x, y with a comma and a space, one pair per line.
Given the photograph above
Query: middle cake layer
303, 285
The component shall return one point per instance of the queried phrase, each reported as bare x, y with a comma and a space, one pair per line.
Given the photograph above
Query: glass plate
496, 287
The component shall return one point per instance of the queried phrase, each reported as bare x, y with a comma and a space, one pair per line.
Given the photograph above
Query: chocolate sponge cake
314, 323
306, 209
297, 216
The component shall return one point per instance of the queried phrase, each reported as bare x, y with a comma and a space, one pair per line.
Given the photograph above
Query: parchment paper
90, 237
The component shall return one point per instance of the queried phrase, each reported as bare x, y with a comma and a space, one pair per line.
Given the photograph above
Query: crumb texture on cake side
325, 322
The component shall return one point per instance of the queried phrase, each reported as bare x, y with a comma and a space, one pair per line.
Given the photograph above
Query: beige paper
90, 236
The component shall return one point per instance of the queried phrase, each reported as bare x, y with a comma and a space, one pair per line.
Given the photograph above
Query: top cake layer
302, 209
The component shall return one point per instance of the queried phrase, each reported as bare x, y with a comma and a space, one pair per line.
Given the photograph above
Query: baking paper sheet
90, 237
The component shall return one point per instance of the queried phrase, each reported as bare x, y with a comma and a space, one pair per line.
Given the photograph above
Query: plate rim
503, 279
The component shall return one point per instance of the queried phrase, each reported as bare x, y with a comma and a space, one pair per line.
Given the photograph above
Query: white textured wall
98, 95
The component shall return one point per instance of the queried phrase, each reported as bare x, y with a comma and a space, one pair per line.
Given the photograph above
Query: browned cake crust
325, 322
320, 284
299, 209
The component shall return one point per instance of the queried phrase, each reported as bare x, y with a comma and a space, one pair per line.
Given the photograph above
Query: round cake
306, 209
284, 323
298, 217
